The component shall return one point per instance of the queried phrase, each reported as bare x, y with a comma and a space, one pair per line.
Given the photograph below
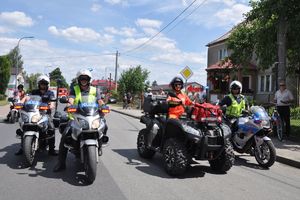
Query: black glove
174, 103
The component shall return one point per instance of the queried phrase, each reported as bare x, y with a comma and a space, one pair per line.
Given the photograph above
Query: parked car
112, 100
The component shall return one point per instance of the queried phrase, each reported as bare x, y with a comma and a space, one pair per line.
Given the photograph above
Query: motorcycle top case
206, 112
155, 104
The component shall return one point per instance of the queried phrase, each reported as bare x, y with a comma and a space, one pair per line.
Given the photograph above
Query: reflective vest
235, 109
92, 94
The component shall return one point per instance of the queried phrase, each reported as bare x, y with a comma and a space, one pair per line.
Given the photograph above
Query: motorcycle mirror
10, 99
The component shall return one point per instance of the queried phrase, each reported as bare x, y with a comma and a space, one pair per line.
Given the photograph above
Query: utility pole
116, 70
281, 42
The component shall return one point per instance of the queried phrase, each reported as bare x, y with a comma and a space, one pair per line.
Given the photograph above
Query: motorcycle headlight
25, 118
83, 124
35, 118
96, 124
265, 123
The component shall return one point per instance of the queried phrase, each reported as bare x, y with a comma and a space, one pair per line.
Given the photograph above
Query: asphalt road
122, 174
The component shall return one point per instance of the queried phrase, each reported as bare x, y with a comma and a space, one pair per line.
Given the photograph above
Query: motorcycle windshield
259, 113
88, 106
33, 103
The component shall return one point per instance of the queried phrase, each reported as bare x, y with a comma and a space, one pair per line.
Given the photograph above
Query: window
265, 83
222, 54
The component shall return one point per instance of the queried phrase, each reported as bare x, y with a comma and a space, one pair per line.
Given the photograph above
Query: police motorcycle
86, 132
14, 110
250, 135
201, 135
33, 122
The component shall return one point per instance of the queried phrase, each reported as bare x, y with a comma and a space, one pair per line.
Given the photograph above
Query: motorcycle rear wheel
143, 150
90, 163
29, 148
268, 156
12, 118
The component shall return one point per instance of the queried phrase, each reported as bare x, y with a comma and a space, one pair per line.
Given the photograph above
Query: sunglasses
84, 78
282, 85
178, 84
44, 83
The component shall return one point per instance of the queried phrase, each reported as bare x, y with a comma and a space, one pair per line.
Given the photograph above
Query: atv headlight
35, 118
96, 124
190, 130
83, 124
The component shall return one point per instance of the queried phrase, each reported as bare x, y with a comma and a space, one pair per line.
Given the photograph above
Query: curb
288, 161
117, 111
279, 159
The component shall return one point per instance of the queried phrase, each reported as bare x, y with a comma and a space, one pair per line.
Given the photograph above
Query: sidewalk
288, 152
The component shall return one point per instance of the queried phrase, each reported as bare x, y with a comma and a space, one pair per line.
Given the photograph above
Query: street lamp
17, 60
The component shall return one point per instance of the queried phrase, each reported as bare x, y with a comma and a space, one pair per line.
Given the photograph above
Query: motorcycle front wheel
90, 163
268, 154
29, 148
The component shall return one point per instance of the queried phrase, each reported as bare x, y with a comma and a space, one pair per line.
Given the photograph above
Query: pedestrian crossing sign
186, 73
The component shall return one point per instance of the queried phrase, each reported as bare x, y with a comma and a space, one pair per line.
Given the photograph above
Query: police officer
47, 95
83, 88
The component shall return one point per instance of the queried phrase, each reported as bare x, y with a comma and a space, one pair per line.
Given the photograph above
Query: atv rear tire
143, 150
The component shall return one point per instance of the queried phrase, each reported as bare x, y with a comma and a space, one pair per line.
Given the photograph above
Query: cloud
124, 31
78, 34
148, 23
5, 30
95, 7
16, 18
115, 2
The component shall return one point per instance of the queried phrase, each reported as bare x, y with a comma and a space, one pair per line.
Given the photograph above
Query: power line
75, 56
141, 58
143, 44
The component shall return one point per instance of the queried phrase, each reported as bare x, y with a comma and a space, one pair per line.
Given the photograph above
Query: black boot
52, 152
59, 167
20, 152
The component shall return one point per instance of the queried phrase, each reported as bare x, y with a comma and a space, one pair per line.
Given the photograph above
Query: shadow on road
43, 166
155, 166
243, 160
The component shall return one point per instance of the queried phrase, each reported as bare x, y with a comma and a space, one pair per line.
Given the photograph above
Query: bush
295, 113
2, 96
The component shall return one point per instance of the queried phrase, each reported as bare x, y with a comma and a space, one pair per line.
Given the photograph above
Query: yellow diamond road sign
186, 72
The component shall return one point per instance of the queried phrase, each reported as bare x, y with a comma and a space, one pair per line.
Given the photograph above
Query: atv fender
174, 129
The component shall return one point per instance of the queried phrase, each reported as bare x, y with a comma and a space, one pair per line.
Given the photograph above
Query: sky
162, 36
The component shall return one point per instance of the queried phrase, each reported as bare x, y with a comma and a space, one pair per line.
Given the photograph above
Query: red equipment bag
207, 112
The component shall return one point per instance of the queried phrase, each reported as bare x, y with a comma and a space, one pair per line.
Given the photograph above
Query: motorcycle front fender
266, 138
31, 133
89, 142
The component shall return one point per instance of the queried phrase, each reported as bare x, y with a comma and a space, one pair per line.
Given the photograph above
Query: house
104, 85
258, 85
14, 81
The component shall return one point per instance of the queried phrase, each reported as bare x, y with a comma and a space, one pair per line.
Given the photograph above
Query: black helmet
177, 80
21, 86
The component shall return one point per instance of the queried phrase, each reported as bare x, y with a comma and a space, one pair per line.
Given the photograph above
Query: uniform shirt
84, 93
285, 95
176, 112
47, 95
227, 100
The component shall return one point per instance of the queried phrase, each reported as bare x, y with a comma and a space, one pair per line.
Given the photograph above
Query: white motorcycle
86, 133
33, 126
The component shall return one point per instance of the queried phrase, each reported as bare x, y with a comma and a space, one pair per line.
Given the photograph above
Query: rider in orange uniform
177, 103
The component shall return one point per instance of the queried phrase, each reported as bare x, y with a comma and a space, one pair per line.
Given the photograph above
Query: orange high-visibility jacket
176, 112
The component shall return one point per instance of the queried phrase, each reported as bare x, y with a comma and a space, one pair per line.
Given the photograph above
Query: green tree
271, 30
154, 83
56, 74
5, 66
15, 57
32, 81
133, 80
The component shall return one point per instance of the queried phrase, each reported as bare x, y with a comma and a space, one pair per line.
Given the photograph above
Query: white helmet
84, 72
43, 78
236, 85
